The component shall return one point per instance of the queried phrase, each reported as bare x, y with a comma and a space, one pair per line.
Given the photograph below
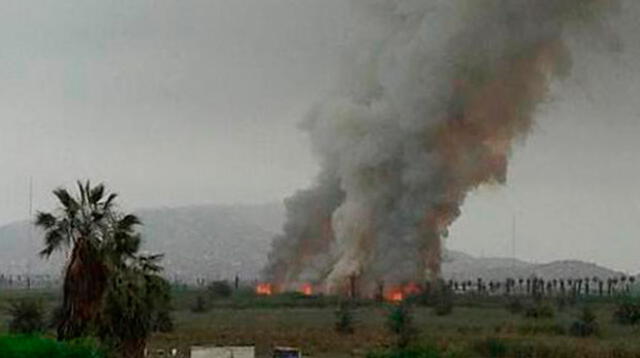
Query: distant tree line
531, 286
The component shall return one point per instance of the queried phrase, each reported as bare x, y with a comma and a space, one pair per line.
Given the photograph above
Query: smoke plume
428, 111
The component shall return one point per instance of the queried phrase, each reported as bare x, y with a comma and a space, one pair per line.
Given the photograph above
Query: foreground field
477, 327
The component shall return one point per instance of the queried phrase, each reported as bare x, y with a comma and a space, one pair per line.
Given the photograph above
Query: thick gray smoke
428, 111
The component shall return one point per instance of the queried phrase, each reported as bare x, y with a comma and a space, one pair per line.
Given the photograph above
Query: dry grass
472, 330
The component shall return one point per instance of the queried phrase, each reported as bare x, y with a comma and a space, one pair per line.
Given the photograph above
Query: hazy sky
179, 102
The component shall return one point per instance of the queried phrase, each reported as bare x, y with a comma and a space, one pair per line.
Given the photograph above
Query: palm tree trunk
84, 286
133, 348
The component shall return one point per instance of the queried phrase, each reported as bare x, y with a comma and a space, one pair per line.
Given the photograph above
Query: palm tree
135, 299
99, 239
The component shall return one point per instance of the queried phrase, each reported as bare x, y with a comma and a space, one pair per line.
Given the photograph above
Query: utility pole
30, 230
513, 240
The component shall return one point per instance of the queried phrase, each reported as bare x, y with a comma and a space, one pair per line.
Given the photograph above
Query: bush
492, 347
220, 289
582, 328
163, 322
25, 347
439, 296
344, 319
400, 323
539, 310
515, 305
200, 305
443, 304
27, 317
627, 312
56, 317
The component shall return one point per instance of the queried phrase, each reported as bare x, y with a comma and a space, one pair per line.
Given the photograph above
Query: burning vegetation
430, 111
264, 289
306, 289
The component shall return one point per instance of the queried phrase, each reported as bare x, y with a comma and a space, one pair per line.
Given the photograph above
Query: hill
209, 241
220, 241
460, 266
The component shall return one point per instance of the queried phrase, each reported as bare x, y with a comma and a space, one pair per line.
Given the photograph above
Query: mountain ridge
211, 241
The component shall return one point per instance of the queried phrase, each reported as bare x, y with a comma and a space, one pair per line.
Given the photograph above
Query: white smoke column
428, 111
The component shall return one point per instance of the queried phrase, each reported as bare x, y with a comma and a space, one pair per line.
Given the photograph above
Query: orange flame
306, 289
264, 289
396, 296
399, 293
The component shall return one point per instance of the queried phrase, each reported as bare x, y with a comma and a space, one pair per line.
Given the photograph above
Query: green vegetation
200, 305
400, 323
344, 318
586, 325
220, 289
35, 347
116, 296
628, 311
27, 317
539, 309
480, 326
110, 290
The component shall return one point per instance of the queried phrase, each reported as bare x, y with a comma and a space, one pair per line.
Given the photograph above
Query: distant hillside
207, 240
460, 266
218, 241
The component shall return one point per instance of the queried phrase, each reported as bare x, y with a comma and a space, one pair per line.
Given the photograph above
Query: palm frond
53, 240
109, 202
96, 194
83, 195
87, 188
124, 244
150, 263
67, 201
127, 223
45, 220
97, 216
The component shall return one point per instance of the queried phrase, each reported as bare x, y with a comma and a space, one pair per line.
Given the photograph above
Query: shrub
200, 305
56, 317
400, 323
220, 289
586, 325
492, 347
515, 305
627, 312
163, 322
344, 319
443, 304
539, 310
439, 296
27, 317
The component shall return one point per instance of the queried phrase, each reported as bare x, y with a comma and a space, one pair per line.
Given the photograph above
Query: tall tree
81, 223
104, 272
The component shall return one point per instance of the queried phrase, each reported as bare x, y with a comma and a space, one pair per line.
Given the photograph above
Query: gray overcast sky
181, 102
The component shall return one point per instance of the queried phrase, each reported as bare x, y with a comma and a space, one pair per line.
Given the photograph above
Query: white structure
222, 352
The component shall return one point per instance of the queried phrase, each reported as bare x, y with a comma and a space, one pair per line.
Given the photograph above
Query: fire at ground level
391, 293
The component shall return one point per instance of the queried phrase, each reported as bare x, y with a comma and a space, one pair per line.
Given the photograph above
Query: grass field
477, 327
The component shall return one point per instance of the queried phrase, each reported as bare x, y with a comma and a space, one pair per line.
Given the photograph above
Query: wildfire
396, 296
306, 289
264, 289
399, 293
